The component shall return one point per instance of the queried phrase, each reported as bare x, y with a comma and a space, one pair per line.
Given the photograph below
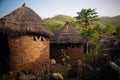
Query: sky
50, 8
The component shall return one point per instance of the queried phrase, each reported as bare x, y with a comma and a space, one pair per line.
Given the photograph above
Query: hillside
56, 22
111, 20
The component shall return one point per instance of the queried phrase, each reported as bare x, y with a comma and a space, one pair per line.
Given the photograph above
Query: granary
26, 43
69, 41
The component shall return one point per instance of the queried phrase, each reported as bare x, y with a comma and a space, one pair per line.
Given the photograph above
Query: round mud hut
67, 42
27, 40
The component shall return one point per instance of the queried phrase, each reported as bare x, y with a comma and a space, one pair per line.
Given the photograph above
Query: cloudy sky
50, 8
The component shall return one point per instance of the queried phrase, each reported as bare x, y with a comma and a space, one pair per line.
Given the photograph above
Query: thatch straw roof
67, 35
24, 20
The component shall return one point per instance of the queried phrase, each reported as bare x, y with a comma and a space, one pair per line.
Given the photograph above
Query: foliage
55, 23
78, 27
3, 77
91, 35
65, 60
118, 32
64, 18
110, 29
87, 19
88, 58
115, 21
99, 27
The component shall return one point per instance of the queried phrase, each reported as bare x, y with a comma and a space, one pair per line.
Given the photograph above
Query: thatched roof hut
24, 21
69, 39
28, 39
67, 35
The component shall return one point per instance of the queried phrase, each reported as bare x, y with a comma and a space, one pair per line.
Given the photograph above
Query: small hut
67, 40
27, 38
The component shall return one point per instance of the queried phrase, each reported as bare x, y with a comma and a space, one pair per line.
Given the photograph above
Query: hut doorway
4, 53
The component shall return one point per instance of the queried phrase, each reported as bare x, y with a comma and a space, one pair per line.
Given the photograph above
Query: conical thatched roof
24, 20
67, 34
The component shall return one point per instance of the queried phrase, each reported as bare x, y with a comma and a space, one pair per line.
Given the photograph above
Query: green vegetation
55, 23
3, 77
65, 60
90, 57
92, 27
118, 32
110, 29
115, 21
87, 18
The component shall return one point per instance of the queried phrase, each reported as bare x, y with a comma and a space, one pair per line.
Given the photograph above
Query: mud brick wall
74, 53
27, 53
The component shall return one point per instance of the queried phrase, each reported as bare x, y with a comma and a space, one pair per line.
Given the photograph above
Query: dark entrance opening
4, 53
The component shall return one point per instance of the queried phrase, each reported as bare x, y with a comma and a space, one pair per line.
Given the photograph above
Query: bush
88, 58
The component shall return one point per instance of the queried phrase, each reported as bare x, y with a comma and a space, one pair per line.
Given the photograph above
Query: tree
87, 17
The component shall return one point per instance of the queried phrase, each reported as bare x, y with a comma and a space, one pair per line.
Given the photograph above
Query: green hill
55, 23
111, 20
